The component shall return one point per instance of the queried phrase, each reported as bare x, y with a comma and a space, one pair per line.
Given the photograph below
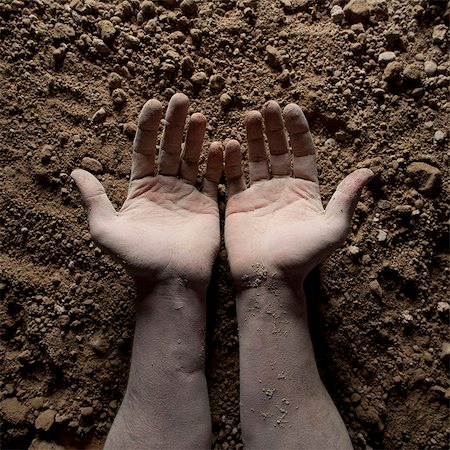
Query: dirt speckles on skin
256, 279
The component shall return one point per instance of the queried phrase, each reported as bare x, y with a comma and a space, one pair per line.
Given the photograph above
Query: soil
373, 80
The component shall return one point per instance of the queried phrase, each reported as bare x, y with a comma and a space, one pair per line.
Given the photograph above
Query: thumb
346, 197
94, 196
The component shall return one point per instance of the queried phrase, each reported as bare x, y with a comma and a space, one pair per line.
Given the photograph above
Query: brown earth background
373, 80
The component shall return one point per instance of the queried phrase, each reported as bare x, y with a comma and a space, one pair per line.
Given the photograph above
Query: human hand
166, 229
278, 227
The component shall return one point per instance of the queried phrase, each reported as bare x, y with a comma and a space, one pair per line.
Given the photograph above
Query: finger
304, 155
344, 200
259, 168
169, 160
233, 168
214, 169
94, 197
144, 144
280, 160
192, 148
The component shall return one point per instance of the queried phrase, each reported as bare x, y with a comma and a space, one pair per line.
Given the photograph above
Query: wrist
260, 275
171, 287
272, 302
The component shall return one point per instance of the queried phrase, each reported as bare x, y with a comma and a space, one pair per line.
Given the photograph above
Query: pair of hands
169, 230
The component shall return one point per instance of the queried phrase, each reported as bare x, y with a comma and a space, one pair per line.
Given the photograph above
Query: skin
276, 231
167, 236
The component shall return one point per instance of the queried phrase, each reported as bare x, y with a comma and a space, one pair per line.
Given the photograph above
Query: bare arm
166, 402
276, 231
284, 404
167, 236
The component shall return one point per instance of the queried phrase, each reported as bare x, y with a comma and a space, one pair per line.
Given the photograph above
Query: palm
287, 215
164, 224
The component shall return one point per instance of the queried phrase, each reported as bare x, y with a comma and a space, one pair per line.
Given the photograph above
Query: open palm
278, 227
166, 228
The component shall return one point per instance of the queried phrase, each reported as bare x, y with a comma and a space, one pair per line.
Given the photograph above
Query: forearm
283, 401
166, 403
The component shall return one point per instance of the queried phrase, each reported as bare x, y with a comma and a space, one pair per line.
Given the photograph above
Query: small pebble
114, 80
375, 287
337, 14
273, 56
99, 116
100, 345
443, 307
148, 9
87, 411
106, 30
426, 178
225, 100
188, 7
439, 34
100, 46
420, 57
59, 54
119, 97
430, 68
199, 78
353, 250
216, 82
91, 164
439, 137
129, 129
63, 32
357, 11
382, 236
393, 73
413, 74
386, 57
45, 420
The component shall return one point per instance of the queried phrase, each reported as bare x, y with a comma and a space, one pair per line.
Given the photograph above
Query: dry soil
373, 79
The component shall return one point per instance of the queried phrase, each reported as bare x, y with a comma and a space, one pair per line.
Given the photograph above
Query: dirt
373, 80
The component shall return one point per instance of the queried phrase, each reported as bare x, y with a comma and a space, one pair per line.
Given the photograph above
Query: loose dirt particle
45, 420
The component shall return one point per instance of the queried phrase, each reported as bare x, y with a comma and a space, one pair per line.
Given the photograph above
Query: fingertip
272, 111
232, 146
216, 149
79, 174
253, 117
271, 105
291, 109
179, 99
75, 173
150, 114
353, 183
197, 119
233, 167
294, 118
367, 174
152, 105
233, 152
361, 177
214, 166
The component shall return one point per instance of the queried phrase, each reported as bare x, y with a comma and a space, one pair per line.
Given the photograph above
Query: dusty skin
278, 227
167, 236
